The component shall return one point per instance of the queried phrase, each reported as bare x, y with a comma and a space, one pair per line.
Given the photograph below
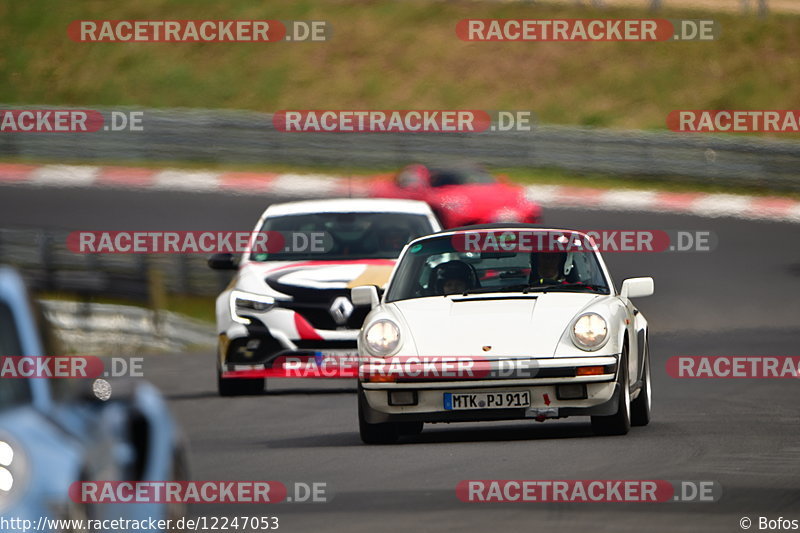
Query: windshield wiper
483, 290
566, 287
525, 288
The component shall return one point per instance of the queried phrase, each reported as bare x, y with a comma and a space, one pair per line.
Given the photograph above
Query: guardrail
43, 259
115, 330
206, 136
760, 7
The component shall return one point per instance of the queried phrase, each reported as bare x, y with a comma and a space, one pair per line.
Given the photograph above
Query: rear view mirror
636, 288
365, 295
222, 262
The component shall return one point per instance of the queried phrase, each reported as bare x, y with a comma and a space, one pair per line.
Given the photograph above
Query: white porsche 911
502, 322
295, 302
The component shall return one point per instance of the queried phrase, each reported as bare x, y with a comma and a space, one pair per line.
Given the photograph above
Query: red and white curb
322, 186
707, 205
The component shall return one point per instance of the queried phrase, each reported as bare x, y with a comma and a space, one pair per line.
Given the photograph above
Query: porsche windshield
442, 266
348, 235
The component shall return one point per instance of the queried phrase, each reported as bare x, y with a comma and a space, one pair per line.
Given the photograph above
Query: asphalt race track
740, 299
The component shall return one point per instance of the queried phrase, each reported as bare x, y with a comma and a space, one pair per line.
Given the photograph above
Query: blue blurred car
54, 432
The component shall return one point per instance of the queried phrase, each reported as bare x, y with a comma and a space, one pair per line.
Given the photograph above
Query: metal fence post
46, 256
157, 297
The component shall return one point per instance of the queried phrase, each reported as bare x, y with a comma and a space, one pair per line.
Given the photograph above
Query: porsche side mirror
365, 295
637, 288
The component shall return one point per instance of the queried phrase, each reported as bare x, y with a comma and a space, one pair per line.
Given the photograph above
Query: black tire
620, 422
640, 407
385, 433
239, 386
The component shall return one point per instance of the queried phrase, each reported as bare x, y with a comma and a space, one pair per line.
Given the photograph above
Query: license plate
456, 401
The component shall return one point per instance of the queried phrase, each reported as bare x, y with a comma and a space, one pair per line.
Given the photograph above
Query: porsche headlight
590, 332
246, 303
382, 337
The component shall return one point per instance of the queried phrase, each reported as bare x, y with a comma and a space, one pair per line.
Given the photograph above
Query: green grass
398, 54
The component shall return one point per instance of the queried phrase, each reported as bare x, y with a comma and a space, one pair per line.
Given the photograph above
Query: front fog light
402, 397
590, 332
382, 337
571, 391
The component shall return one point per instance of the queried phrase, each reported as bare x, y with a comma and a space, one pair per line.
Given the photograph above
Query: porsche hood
507, 327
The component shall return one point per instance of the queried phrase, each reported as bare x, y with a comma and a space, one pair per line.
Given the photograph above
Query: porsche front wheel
384, 433
640, 407
620, 422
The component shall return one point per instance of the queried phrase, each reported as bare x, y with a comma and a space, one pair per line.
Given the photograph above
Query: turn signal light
590, 371
382, 378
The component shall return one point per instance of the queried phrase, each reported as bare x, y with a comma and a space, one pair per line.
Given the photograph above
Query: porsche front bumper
599, 393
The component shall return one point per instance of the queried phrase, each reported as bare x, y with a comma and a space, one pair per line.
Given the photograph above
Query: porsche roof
349, 205
519, 226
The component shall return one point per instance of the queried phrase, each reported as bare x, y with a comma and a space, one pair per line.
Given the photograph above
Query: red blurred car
460, 195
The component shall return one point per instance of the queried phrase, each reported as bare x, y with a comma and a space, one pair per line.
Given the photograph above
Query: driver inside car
349, 233
453, 277
392, 239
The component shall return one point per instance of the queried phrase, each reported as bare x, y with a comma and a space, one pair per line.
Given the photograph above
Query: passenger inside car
552, 268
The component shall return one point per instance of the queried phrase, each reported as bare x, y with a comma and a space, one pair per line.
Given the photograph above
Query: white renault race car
502, 322
295, 302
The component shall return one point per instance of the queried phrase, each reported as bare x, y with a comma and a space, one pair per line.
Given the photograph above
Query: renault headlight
246, 303
382, 337
590, 332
